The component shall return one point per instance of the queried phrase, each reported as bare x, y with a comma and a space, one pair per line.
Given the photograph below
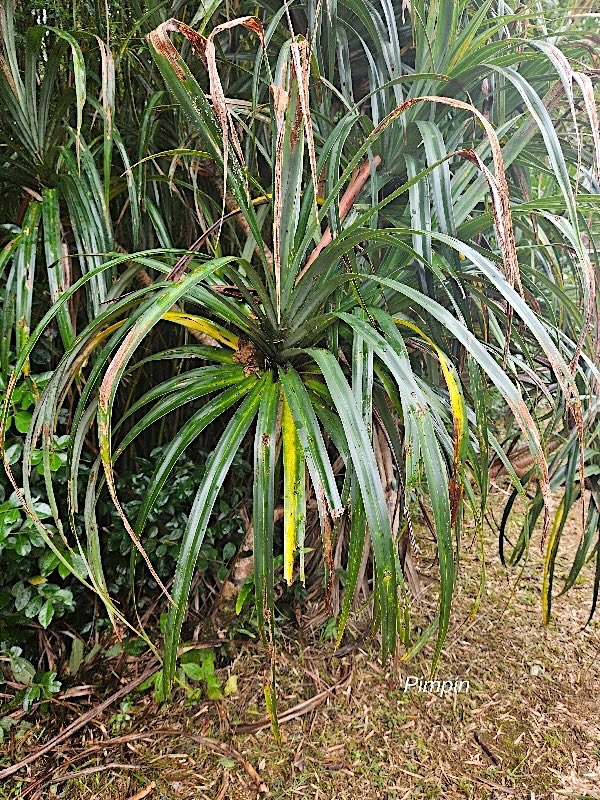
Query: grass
514, 734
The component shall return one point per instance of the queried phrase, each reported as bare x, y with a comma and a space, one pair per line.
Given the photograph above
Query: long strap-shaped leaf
294, 496
186, 435
356, 545
591, 530
539, 113
367, 475
217, 468
362, 387
184, 438
20, 369
420, 428
500, 197
55, 261
315, 453
182, 381
311, 438
185, 89
459, 413
167, 297
509, 391
263, 505
25, 262
191, 389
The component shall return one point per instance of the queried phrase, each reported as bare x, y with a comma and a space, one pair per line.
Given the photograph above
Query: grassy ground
528, 728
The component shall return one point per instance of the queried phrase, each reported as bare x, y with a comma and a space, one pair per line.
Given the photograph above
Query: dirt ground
529, 726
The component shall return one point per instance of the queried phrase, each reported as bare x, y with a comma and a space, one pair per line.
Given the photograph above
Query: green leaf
46, 614
217, 468
229, 551
76, 657
183, 439
196, 672
263, 505
242, 597
373, 499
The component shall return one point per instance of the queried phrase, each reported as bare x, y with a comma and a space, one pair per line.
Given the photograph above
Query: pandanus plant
367, 311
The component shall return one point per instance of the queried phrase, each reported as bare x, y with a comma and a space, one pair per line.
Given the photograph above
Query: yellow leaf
456, 399
195, 323
231, 686
293, 493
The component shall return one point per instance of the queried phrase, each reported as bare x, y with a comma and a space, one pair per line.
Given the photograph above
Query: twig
48, 777
224, 786
496, 786
80, 773
292, 713
181, 264
227, 750
79, 723
234, 212
487, 750
211, 744
144, 792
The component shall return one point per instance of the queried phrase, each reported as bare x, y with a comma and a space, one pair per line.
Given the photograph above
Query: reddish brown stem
348, 198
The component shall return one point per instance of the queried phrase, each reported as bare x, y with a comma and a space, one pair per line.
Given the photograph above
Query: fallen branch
79, 723
144, 792
81, 773
211, 744
522, 461
292, 713
205, 741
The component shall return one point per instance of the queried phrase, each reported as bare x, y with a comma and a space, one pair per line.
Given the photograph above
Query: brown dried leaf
218, 95
280, 101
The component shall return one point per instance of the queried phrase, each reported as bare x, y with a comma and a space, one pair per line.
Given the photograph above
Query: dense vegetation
277, 287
